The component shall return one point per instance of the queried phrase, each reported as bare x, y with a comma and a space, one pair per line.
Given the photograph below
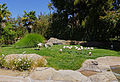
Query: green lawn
69, 59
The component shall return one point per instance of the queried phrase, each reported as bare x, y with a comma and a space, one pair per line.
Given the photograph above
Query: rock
102, 66
56, 41
13, 79
42, 74
94, 65
88, 72
109, 60
94, 62
62, 75
33, 57
40, 45
70, 75
49, 44
103, 77
88, 65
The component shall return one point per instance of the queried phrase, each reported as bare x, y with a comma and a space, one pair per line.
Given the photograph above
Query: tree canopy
82, 16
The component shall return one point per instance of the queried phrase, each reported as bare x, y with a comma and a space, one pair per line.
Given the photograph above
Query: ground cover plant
68, 59
30, 40
21, 63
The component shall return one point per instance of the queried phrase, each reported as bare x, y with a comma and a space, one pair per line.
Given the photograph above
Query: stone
102, 67
40, 45
94, 65
70, 75
13, 79
61, 75
42, 74
49, 44
88, 65
94, 62
103, 77
88, 72
109, 60
56, 41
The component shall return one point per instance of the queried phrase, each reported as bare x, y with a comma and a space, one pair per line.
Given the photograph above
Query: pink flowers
85, 48
40, 45
88, 48
90, 53
77, 50
91, 48
81, 47
60, 50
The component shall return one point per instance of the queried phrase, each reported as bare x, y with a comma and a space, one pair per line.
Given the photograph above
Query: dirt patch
13, 73
116, 71
88, 72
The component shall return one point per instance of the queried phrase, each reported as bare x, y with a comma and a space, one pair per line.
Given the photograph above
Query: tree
50, 7
41, 24
28, 20
4, 15
82, 16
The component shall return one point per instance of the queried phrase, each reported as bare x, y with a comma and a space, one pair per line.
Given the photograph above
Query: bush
21, 64
30, 40
2, 60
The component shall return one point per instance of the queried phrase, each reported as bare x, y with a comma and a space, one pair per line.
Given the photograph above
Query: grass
64, 60
30, 40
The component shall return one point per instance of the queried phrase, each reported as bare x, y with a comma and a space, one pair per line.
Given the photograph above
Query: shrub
19, 64
30, 40
2, 60
22, 63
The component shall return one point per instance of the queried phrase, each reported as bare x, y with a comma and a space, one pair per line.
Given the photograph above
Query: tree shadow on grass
102, 45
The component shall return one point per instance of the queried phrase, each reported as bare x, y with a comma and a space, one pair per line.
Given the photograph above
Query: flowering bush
2, 60
21, 64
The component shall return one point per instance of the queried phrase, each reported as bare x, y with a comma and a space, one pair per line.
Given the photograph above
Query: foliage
41, 25
8, 34
2, 60
30, 40
69, 19
17, 26
20, 63
4, 13
112, 16
111, 22
65, 60
78, 17
116, 5
28, 20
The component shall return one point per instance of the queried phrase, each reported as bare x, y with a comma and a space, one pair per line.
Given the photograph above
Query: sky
17, 7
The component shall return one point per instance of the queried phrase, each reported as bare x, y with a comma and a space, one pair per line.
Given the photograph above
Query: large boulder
103, 77
56, 41
94, 65
102, 67
61, 75
109, 60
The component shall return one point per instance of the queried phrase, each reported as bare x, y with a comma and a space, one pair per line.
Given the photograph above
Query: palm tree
4, 13
28, 20
50, 7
